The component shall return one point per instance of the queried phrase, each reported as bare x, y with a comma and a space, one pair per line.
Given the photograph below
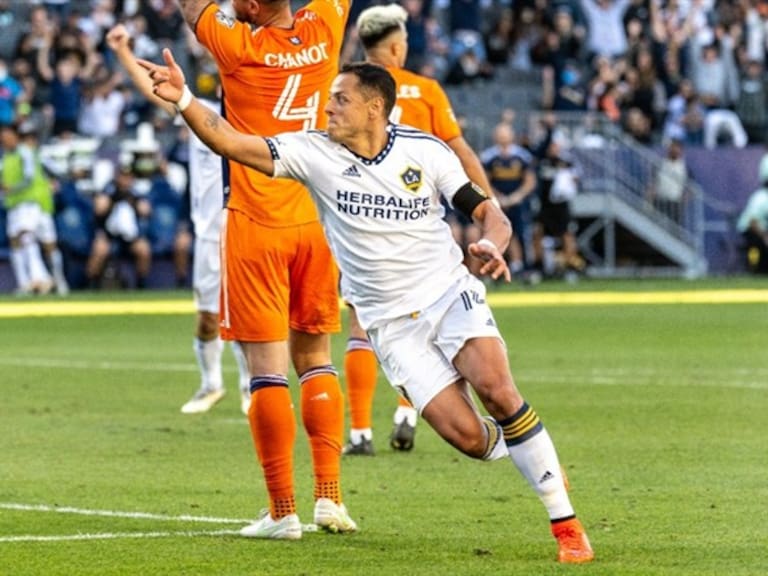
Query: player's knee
207, 325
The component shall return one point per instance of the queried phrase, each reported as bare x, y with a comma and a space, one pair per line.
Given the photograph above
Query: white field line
119, 514
103, 365
114, 536
131, 515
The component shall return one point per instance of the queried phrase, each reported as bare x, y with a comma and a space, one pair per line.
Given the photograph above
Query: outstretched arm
496, 233
213, 130
192, 10
118, 39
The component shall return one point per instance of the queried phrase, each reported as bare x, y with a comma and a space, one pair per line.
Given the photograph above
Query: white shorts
30, 217
206, 275
416, 352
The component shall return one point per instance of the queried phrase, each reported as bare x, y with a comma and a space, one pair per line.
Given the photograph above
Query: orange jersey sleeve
423, 104
275, 80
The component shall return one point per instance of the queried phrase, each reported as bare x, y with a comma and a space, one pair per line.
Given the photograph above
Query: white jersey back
206, 185
382, 216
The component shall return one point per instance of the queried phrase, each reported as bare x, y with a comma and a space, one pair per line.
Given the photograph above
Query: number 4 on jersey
285, 109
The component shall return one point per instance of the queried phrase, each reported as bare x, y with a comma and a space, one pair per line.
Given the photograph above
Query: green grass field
658, 412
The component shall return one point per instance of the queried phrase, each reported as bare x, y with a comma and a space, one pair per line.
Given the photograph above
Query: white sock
242, 366
537, 461
38, 274
357, 435
19, 268
406, 413
208, 354
57, 268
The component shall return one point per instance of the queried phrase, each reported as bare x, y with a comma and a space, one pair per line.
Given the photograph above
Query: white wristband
185, 100
487, 243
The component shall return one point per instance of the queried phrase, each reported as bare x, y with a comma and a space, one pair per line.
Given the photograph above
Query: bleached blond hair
377, 22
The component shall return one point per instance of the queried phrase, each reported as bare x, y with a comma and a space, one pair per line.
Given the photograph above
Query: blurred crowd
676, 72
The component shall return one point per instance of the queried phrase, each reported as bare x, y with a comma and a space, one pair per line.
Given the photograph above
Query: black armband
469, 197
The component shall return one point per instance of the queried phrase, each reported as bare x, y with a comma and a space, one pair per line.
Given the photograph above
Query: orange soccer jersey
275, 80
423, 104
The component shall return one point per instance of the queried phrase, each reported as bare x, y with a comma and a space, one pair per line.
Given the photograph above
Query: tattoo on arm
212, 120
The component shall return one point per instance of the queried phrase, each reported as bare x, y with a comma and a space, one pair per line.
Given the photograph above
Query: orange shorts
276, 278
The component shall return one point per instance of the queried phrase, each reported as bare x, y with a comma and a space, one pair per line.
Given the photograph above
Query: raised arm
191, 9
218, 134
118, 39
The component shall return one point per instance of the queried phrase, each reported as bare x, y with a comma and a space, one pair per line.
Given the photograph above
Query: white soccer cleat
245, 401
333, 517
202, 401
287, 528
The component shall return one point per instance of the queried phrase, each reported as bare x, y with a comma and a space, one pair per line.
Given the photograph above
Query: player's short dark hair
376, 79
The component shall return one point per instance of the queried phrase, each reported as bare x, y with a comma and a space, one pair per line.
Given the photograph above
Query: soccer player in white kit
377, 188
206, 196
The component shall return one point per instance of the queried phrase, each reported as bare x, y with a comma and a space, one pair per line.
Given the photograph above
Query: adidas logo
351, 171
546, 476
321, 396
490, 322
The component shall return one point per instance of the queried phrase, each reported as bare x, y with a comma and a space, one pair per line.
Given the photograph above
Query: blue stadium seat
74, 225
163, 222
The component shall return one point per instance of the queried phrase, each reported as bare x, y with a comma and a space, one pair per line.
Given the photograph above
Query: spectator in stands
418, 34
499, 41
605, 27
752, 101
753, 227
468, 67
466, 29
11, 94
121, 220
714, 73
645, 91
65, 81
685, 116
103, 105
34, 36
569, 88
513, 179
58, 10
668, 190
560, 43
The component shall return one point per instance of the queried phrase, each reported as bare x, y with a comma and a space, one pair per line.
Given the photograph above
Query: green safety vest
39, 189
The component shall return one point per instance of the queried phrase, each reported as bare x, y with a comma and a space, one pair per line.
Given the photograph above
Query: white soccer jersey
206, 186
382, 216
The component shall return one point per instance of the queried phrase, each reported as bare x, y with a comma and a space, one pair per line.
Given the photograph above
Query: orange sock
322, 411
273, 427
360, 368
403, 402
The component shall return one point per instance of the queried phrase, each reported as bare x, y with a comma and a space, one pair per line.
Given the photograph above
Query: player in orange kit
421, 103
279, 285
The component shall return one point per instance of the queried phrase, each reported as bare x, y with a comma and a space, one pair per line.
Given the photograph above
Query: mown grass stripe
497, 299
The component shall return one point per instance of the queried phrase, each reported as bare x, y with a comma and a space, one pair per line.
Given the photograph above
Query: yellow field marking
496, 299
83, 308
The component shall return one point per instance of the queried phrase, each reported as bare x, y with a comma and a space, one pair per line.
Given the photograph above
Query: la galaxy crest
411, 178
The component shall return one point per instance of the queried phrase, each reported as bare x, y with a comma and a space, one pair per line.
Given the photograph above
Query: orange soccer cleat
572, 541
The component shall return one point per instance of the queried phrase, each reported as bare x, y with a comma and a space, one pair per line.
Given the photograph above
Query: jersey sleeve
225, 37
444, 120
288, 151
334, 13
448, 172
